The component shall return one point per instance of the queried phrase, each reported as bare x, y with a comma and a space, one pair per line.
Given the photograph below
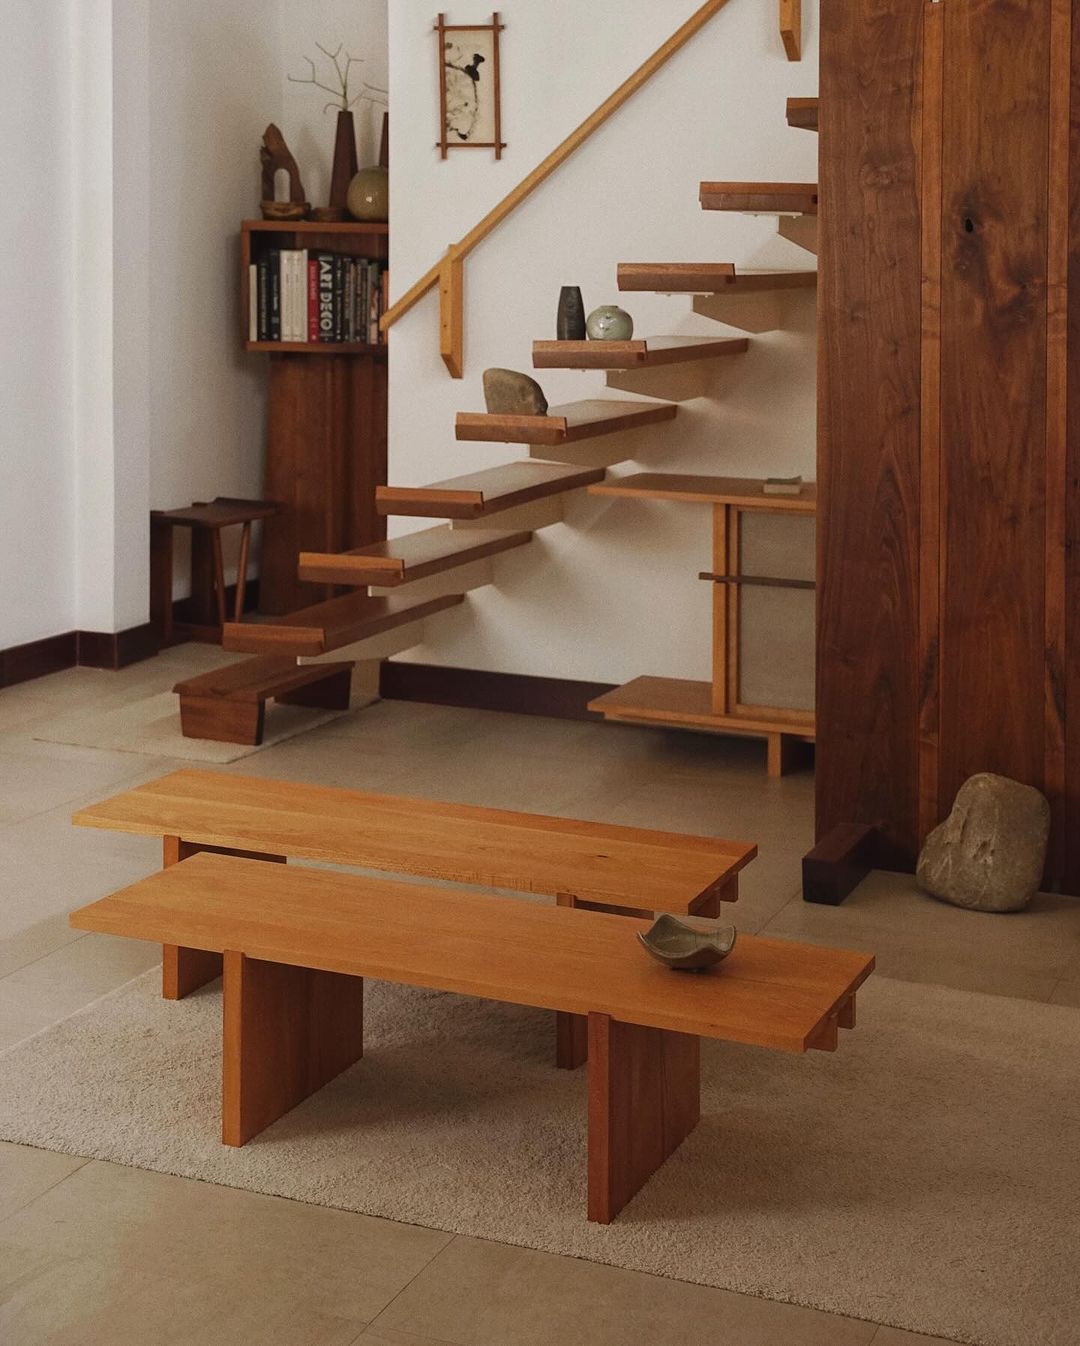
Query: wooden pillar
287, 1032
644, 1100
184, 971
949, 435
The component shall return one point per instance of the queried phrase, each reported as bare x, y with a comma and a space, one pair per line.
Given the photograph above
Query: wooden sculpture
275, 155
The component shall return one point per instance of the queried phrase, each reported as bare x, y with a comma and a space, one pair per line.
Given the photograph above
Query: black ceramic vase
570, 325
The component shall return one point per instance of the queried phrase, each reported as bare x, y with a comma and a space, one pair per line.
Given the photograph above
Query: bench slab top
594, 862
768, 993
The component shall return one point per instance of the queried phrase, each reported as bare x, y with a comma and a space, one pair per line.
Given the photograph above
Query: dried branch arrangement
342, 64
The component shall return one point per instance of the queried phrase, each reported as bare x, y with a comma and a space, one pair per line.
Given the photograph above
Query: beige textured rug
926, 1176
152, 726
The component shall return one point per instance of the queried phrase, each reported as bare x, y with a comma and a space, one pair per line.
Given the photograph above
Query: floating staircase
523, 496
405, 560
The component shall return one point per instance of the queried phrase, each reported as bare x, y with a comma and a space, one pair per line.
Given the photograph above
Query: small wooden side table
206, 520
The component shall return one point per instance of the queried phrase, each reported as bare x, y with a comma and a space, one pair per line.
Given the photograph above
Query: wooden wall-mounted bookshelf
326, 424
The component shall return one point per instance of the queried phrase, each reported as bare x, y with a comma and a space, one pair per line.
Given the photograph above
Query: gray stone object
687, 948
508, 393
989, 854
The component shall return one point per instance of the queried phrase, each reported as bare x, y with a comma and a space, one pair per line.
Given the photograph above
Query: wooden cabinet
327, 427
949, 618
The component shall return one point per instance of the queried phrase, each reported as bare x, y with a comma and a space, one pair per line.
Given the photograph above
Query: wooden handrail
448, 272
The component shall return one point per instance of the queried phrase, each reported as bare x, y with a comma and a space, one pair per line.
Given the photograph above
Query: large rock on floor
508, 393
989, 854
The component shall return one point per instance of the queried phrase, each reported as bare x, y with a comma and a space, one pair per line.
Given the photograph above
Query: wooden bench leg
711, 906
644, 1100
287, 1032
572, 1030
184, 971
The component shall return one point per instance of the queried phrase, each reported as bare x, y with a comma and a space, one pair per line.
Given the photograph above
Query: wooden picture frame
470, 96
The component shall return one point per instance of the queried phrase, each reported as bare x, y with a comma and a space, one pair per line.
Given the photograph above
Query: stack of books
299, 296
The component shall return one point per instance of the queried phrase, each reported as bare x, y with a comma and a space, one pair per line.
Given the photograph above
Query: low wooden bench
297, 944
625, 870
228, 705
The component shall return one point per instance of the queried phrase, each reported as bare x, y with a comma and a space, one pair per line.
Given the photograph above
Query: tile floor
93, 1254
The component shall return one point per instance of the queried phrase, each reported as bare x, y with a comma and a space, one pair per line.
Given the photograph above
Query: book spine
339, 297
274, 278
264, 299
384, 302
303, 326
350, 301
253, 303
313, 296
373, 305
326, 297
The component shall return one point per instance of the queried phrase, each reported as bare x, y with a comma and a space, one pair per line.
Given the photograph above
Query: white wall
37, 493
613, 593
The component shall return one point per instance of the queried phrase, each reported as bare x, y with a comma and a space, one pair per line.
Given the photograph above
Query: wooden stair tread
682, 702
802, 113
564, 425
333, 624
706, 278
259, 679
490, 491
774, 993
744, 492
647, 354
764, 198
402, 560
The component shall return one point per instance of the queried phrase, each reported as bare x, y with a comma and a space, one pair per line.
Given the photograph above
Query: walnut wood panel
869, 401
1071, 676
326, 454
597, 862
773, 993
993, 380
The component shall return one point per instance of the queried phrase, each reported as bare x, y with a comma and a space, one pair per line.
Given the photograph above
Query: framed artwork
469, 94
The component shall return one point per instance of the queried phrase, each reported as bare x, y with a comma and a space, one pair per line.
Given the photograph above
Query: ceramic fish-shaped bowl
685, 948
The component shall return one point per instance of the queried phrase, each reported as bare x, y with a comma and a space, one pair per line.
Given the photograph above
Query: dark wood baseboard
83, 649
477, 689
839, 863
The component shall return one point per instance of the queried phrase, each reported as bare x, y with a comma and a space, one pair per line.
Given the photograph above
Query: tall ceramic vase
345, 162
570, 324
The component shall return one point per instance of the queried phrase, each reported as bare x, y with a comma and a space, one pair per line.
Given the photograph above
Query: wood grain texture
743, 492
326, 454
993, 399
791, 28
761, 198
644, 1100
566, 424
432, 551
332, 625
1071, 686
186, 970
490, 491
287, 1031
680, 701
802, 113
773, 993
654, 353
869, 296
596, 862
708, 278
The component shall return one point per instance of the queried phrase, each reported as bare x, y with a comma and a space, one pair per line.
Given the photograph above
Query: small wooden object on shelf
718, 706
206, 522
327, 430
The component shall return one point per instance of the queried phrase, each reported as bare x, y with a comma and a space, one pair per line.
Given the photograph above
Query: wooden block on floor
228, 705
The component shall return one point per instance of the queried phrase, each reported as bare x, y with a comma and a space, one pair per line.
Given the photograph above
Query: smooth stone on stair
508, 393
990, 853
